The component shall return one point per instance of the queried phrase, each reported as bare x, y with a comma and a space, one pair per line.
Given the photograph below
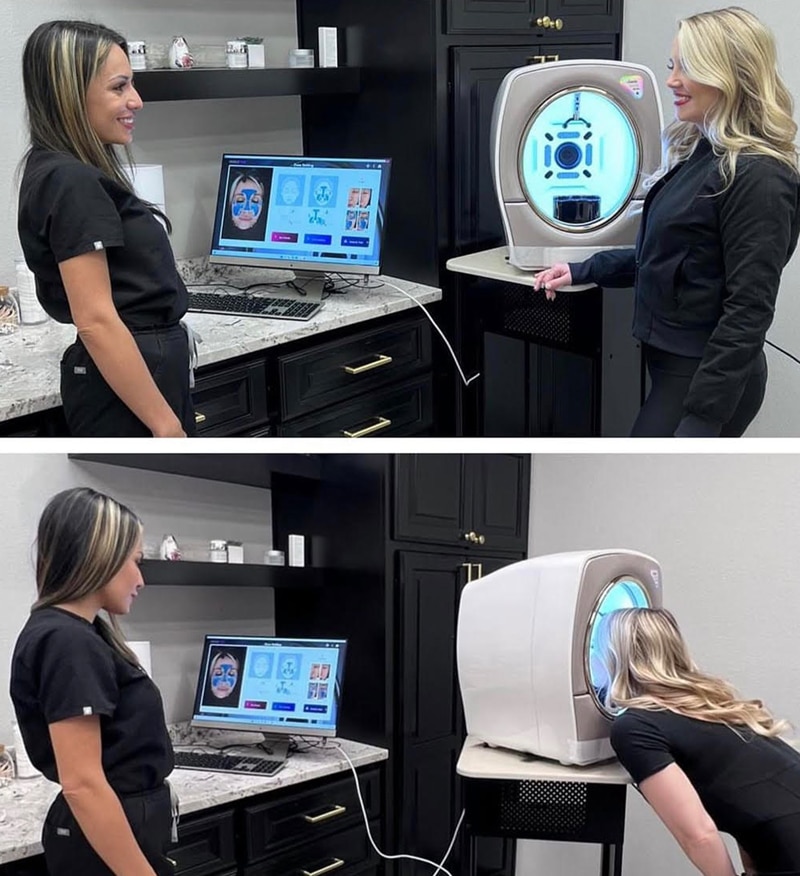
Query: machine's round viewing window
622, 593
580, 159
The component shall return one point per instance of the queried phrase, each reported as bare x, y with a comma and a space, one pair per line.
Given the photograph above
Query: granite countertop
29, 358
24, 802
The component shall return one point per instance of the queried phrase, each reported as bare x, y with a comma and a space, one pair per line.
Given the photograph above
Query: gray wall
173, 619
186, 137
649, 29
724, 528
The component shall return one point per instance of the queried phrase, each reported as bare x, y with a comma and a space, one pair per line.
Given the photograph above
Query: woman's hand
553, 278
171, 429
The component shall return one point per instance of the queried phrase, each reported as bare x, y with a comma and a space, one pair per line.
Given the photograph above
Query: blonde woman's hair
733, 51
83, 539
649, 667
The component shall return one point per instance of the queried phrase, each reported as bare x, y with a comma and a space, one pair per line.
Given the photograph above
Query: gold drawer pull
324, 816
337, 862
382, 424
376, 363
199, 418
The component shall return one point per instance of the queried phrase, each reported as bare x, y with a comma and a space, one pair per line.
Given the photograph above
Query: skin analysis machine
572, 144
527, 650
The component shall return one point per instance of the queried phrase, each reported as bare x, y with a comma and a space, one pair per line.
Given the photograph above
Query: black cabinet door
500, 499
490, 16
477, 73
586, 16
429, 494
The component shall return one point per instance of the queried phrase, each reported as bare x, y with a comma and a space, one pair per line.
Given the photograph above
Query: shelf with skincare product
188, 573
201, 84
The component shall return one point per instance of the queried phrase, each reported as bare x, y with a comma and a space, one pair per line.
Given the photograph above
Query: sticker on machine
634, 83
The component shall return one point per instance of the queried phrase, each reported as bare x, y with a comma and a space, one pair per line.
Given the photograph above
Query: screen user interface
270, 684
287, 211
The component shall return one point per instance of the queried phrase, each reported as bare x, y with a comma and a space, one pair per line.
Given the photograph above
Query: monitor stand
311, 284
275, 747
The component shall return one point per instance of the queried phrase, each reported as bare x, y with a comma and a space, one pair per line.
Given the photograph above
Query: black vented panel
573, 321
573, 811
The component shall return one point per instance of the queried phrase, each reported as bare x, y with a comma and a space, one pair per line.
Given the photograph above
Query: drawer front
309, 815
205, 845
340, 854
402, 410
230, 400
334, 372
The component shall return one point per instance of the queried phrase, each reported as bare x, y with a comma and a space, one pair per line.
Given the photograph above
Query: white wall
173, 619
186, 137
649, 28
724, 528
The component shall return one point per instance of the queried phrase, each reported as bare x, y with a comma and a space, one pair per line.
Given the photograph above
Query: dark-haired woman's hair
83, 539
59, 61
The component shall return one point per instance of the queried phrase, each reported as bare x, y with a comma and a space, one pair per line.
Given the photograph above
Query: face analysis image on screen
248, 192
223, 677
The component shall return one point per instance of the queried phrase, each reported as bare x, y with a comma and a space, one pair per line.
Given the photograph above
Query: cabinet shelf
202, 84
186, 573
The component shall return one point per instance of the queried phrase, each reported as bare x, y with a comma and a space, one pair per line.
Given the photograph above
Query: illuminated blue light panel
580, 159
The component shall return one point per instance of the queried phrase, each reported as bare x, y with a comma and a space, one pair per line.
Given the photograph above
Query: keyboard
240, 304
227, 763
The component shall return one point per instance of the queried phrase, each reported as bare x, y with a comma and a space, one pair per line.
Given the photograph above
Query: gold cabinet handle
334, 865
383, 423
199, 418
481, 539
480, 569
468, 567
470, 536
379, 362
335, 812
552, 24
558, 24
551, 58
543, 22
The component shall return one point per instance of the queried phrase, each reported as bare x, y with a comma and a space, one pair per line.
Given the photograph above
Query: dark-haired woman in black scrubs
102, 259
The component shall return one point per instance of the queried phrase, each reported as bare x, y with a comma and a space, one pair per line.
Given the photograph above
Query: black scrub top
66, 209
748, 784
62, 668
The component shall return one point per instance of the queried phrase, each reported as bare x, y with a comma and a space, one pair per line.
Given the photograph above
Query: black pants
93, 409
671, 376
67, 851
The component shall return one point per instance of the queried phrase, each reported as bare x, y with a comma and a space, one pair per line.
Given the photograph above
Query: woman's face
118, 595
692, 100
111, 100
247, 199
224, 675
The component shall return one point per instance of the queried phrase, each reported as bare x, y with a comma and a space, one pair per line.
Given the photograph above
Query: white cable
440, 868
433, 323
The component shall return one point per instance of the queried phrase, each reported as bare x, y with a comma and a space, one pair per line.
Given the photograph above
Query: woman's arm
77, 748
111, 345
677, 804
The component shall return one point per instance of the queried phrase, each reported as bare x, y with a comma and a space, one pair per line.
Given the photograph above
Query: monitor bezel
267, 729
317, 267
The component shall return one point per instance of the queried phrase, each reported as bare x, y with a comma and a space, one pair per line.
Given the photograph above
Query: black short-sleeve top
63, 668
745, 781
67, 209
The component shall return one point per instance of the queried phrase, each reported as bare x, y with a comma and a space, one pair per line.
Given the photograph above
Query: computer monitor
311, 215
270, 685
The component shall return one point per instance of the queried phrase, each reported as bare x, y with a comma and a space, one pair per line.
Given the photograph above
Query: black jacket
706, 270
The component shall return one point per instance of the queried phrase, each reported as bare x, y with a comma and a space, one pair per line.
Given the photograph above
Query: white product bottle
25, 769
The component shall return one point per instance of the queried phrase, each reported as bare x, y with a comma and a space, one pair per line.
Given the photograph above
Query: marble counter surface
29, 358
24, 802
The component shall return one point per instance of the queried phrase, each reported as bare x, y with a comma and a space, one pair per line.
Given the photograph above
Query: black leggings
67, 851
671, 376
93, 410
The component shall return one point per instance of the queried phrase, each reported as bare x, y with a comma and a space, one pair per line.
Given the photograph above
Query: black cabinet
537, 16
392, 530
477, 501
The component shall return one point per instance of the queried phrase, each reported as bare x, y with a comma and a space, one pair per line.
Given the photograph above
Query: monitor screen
270, 685
308, 214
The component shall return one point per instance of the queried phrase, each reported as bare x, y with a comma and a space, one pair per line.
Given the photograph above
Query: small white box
328, 47
256, 56
297, 550
235, 552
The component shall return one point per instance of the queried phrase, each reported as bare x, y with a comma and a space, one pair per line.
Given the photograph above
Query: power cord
440, 868
781, 350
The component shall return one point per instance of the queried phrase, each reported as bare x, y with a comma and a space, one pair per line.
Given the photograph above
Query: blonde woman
90, 717
102, 260
720, 221
705, 759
